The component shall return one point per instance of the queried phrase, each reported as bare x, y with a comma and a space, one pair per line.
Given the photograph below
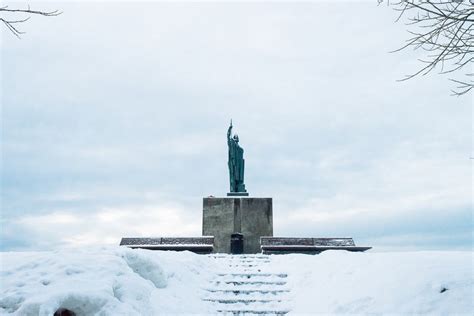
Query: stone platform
237, 194
252, 217
286, 245
200, 245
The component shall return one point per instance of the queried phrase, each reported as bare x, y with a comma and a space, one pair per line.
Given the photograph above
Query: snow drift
109, 281
121, 281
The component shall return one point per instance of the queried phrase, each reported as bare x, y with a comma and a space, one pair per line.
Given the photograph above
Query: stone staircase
243, 287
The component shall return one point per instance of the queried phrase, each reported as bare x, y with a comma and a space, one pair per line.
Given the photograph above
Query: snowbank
380, 283
121, 281
109, 281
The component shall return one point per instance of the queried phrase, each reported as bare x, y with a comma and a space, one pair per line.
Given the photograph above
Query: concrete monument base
252, 217
237, 194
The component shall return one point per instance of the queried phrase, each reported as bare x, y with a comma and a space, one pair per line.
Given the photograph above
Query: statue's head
236, 138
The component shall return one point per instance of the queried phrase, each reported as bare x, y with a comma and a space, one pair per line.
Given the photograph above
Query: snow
109, 281
123, 281
339, 282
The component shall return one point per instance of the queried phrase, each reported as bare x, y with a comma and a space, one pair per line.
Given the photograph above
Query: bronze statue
236, 164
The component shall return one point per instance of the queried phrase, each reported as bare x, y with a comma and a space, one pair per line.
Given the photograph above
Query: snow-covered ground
395, 282
121, 281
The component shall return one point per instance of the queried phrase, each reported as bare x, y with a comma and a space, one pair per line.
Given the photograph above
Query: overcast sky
114, 118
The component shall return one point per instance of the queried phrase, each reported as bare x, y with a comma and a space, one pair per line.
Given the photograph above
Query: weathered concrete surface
202, 245
238, 194
218, 221
253, 217
284, 245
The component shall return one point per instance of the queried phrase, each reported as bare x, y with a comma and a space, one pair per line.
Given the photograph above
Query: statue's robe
236, 166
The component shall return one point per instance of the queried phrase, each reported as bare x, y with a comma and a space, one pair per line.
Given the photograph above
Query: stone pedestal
252, 217
237, 194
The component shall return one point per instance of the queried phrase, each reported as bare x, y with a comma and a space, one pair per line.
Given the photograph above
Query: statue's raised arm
229, 132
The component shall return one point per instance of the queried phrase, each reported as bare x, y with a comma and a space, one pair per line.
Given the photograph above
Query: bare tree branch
443, 29
9, 22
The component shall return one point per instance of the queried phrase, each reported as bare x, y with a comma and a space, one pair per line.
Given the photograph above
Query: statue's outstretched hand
229, 131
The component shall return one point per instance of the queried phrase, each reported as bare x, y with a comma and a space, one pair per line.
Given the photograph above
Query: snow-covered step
252, 261
245, 287
251, 294
243, 278
252, 282
236, 267
242, 289
239, 256
251, 258
252, 312
245, 301
249, 275
248, 270
259, 282
249, 291
255, 305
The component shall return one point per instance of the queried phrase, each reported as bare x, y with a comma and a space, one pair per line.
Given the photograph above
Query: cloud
102, 227
119, 127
